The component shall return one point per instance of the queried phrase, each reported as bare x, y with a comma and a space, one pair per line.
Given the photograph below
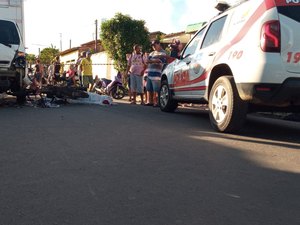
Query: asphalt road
134, 165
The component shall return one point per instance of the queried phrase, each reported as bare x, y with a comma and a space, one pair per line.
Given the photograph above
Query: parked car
246, 59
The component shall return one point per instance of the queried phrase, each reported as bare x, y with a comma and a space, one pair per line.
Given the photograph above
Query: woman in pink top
71, 75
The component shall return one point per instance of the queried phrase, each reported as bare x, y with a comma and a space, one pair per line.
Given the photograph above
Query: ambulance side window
192, 46
214, 32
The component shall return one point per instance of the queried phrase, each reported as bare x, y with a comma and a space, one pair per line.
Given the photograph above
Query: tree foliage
119, 34
48, 54
30, 58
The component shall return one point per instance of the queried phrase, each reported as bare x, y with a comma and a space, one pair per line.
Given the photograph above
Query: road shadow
258, 128
273, 131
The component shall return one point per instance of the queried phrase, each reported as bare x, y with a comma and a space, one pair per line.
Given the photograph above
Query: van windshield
290, 11
8, 33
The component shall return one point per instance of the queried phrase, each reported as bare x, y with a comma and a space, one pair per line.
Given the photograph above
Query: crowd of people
56, 73
144, 71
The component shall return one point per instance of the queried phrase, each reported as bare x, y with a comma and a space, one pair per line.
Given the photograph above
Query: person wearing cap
156, 61
87, 71
175, 48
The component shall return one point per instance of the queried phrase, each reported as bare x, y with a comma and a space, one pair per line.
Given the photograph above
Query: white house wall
69, 58
103, 66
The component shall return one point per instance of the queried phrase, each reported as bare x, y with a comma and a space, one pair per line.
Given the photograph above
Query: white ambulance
12, 49
246, 59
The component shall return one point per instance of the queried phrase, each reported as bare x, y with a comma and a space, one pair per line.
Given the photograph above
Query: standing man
57, 68
78, 70
136, 67
175, 48
156, 61
50, 72
87, 71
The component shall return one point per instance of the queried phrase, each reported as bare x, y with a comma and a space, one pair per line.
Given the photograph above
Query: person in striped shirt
156, 61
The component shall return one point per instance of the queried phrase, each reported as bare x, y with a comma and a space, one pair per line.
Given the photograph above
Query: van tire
21, 97
227, 111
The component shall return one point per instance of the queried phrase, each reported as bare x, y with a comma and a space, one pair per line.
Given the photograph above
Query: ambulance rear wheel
227, 111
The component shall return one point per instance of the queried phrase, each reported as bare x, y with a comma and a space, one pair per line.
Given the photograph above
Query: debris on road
55, 96
93, 99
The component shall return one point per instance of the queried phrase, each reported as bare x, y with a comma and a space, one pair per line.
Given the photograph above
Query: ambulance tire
227, 111
166, 102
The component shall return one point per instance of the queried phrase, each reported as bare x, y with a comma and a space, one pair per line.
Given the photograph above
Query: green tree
30, 58
48, 54
119, 34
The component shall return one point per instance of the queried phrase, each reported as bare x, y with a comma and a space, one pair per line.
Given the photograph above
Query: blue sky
49, 22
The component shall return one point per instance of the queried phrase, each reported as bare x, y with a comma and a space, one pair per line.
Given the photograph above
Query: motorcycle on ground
113, 88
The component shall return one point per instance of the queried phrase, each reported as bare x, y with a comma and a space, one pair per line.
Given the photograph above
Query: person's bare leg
133, 97
142, 99
150, 97
155, 98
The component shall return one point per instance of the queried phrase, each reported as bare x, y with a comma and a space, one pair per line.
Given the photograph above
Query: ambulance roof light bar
222, 6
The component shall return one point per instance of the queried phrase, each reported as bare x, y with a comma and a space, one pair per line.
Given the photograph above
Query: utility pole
96, 34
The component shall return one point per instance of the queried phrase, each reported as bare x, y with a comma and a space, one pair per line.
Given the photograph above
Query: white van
12, 58
246, 59
12, 47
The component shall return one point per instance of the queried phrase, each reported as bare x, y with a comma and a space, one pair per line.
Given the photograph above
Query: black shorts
38, 77
57, 76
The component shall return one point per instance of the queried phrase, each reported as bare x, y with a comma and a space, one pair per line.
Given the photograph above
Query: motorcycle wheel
118, 92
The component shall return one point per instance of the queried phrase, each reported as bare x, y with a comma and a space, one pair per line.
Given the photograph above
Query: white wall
69, 58
102, 66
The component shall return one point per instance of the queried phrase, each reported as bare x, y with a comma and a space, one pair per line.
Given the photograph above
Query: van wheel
21, 97
166, 103
227, 111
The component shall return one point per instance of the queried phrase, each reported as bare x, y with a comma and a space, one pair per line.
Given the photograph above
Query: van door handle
211, 53
188, 62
